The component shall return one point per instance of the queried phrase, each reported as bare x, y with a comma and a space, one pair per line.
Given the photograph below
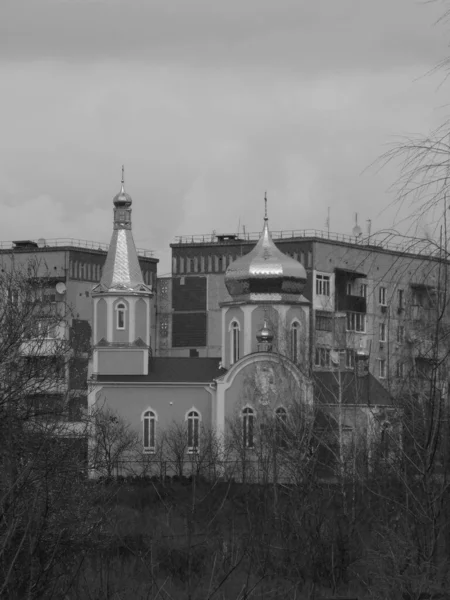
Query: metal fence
59, 242
385, 241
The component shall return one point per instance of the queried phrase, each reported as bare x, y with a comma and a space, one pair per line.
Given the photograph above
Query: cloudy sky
208, 104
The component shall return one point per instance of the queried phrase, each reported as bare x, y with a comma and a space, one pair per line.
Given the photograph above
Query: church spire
122, 271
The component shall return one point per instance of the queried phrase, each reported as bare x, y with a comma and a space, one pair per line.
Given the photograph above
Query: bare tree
48, 517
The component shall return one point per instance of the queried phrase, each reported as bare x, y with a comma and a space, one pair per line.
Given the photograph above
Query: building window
382, 368
382, 296
281, 427
294, 341
193, 425
322, 285
209, 264
400, 334
202, 264
309, 265
181, 269
174, 265
149, 431
400, 299
322, 357
324, 322
248, 426
349, 288
382, 332
234, 342
356, 322
400, 369
120, 315
363, 290
349, 358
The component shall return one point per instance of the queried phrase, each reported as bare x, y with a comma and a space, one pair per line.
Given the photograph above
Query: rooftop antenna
369, 229
357, 231
327, 222
265, 206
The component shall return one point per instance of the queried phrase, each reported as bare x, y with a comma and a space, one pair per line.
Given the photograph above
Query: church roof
173, 370
265, 270
121, 271
355, 390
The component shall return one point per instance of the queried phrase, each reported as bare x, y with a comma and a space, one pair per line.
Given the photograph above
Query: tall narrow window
363, 290
401, 305
193, 424
382, 368
149, 431
120, 315
234, 342
281, 427
382, 296
382, 332
248, 426
294, 341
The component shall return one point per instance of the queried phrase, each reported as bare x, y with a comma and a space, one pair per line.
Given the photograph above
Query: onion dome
266, 271
265, 334
122, 199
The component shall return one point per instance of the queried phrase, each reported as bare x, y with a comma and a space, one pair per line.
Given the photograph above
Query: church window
193, 427
149, 431
294, 341
248, 427
281, 427
120, 315
234, 342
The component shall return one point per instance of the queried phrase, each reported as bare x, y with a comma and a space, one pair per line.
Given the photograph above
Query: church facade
262, 376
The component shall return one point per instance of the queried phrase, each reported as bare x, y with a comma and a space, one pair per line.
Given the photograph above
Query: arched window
149, 433
294, 341
281, 427
193, 427
248, 427
234, 342
120, 315
385, 439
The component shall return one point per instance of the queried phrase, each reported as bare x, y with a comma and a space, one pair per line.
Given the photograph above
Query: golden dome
264, 334
122, 199
265, 270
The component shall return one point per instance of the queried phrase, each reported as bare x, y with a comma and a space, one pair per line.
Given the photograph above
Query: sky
209, 105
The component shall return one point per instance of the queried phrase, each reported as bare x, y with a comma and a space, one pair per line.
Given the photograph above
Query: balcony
350, 303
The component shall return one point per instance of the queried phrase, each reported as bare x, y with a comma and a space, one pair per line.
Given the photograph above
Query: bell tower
267, 310
121, 302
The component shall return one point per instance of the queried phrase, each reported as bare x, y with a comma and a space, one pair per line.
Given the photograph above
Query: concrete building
364, 294
65, 271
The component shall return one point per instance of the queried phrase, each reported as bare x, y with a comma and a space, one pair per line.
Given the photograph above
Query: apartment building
65, 271
365, 295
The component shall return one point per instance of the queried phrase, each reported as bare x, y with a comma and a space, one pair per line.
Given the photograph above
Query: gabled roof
355, 390
173, 370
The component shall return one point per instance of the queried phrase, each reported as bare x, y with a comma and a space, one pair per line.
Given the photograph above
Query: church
263, 374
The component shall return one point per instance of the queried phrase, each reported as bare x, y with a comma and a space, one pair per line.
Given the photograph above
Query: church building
263, 372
